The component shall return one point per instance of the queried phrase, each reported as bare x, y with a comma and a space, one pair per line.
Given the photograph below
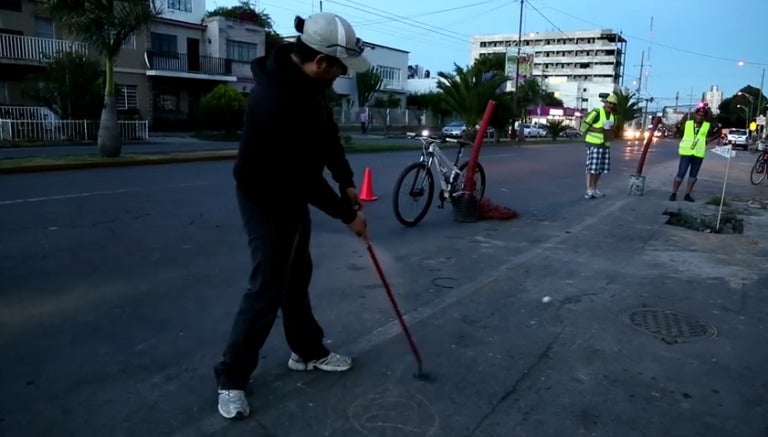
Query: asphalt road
119, 285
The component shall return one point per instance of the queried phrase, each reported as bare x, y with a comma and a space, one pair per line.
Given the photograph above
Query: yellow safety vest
694, 144
596, 138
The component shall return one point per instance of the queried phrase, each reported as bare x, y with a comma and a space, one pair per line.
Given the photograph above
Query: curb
144, 160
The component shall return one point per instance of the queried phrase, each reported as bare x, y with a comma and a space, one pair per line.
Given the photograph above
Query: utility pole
521, 131
640, 79
677, 97
321, 5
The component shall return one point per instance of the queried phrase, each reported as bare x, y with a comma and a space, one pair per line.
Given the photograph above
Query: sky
693, 44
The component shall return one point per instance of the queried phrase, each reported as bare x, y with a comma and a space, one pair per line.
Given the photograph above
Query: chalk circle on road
394, 413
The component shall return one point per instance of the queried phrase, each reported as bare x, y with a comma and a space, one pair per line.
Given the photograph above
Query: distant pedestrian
599, 128
276, 217
692, 149
364, 121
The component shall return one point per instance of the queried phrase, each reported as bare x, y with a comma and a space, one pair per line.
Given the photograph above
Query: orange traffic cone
366, 193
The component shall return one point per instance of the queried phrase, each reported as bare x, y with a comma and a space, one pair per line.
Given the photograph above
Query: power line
424, 14
399, 18
719, 58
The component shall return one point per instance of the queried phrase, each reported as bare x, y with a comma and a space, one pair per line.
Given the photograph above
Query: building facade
160, 75
28, 37
714, 97
576, 66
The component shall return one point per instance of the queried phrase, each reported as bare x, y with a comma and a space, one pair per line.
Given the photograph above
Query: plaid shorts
598, 160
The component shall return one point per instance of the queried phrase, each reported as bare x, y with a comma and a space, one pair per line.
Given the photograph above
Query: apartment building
163, 74
27, 37
577, 66
160, 74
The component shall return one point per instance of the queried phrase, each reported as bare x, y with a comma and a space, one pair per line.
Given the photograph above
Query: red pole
654, 126
469, 182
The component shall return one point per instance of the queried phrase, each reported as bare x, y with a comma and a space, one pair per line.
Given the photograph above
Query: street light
759, 110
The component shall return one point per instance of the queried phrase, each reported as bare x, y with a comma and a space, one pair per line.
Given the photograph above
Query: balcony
30, 49
188, 66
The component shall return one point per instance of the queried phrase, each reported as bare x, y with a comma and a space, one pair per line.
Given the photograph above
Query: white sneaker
233, 404
332, 363
598, 194
589, 194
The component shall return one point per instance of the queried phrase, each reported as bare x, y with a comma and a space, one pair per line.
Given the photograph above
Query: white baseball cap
332, 35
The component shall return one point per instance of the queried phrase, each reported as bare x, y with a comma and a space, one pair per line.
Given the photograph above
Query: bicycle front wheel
757, 174
414, 190
458, 185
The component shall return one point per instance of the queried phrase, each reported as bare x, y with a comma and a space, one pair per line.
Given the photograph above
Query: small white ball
546, 299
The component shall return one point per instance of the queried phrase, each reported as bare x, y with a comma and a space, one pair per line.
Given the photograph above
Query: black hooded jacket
289, 138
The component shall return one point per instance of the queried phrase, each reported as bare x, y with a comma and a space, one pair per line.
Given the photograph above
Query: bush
222, 109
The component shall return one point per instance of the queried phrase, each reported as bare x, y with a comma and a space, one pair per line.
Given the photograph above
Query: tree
467, 93
733, 116
71, 86
368, 83
222, 109
489, 63
105, 25
627, 109
555, 128
383, 105
245, 12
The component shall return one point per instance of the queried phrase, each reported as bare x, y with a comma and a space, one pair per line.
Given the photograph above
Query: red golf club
420, 374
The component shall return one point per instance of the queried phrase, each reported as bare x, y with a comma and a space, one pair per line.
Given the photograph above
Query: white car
456, 129
738, 137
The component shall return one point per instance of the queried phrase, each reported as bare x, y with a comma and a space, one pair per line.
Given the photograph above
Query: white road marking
92, 193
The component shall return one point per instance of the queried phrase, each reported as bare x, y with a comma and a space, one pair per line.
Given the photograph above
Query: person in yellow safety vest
599, 128
693, 146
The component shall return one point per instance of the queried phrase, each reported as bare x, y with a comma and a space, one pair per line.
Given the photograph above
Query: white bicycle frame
449, 170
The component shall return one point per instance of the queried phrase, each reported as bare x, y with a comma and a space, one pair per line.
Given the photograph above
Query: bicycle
757, 174
419, 182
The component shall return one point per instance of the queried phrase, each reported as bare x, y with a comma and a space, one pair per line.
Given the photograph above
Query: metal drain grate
670, 326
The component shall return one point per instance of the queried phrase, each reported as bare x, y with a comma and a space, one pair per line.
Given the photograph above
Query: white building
392, 65
714, 97
239, 42
577, 66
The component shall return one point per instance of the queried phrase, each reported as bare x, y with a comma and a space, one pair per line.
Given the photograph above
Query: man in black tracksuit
289, 138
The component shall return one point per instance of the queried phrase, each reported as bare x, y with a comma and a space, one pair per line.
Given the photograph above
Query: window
44, 28
129, 43
164, 43
4, 93
391, 77
11, 5
241, 51
180, 5
126, 97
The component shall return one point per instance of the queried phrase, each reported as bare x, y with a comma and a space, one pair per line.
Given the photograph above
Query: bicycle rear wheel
414, 185
458, 185
757, 174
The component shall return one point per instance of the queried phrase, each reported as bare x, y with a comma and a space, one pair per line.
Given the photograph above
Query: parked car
738, 137
532, 130
571, 132
456, 129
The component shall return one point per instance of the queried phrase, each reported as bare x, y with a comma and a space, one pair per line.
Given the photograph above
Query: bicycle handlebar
438, 139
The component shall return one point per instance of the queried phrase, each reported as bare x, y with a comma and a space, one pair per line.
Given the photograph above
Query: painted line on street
92, 193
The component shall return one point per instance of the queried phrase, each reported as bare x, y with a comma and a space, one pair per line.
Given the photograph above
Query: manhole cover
670, 326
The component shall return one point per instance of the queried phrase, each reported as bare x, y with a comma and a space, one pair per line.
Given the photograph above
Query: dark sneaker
673, 197
332, 363
688, 198
233, 404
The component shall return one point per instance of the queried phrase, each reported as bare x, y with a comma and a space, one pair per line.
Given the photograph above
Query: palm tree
467, 93
105, 25
627, 109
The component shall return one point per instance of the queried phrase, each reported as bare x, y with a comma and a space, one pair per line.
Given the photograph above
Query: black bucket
465, 209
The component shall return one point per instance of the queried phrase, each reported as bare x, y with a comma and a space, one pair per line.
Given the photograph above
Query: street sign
752, 126
761, 120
